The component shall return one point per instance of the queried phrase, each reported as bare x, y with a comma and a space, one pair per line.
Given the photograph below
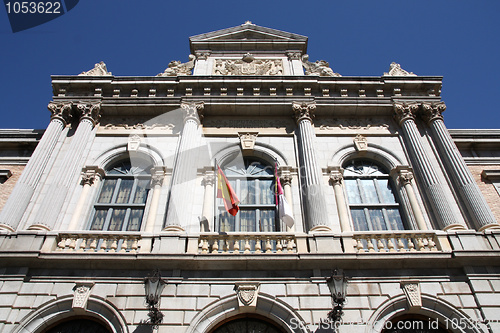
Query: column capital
405, 111
60, 111
403, 174
193, 111
208, 178
294, 55
432, 111
90, 174
285, 174
157, 176
336, 175
303, 110
90, 111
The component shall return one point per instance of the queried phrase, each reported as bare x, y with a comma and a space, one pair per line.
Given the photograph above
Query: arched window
248, 324
80, 325
122, 199
253, 183
371, 198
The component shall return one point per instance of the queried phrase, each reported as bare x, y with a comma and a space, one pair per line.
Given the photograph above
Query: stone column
157, 177
337, 178
405, 116
286, 182
312, 189
180, 200
207, 218
20, 197
91, 176
477, 208
58, 190
405, 177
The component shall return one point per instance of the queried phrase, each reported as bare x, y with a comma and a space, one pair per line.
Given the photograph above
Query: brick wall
487, 187
7, 187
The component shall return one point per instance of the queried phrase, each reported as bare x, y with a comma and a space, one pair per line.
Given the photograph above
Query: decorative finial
248, 23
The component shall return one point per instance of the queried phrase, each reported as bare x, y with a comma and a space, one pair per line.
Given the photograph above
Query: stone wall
7, 187
487, 188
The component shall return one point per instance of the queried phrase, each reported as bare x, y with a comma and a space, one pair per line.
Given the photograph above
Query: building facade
125, 180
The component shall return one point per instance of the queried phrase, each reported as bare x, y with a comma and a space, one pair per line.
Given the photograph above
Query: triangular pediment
246, 37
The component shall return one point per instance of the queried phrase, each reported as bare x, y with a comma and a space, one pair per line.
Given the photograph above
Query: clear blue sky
455, 39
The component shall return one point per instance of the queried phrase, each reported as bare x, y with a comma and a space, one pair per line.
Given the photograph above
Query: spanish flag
226, 193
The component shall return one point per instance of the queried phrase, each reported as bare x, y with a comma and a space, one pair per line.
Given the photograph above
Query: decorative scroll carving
247, 140
245, 123
248, 65
303, 111
413, 295
193, 111
360, 143
177, 68
320, 67
396, 70
99, 70
90, 111
433, 111
61, 111
247, 293
81, 294
404, 111
354, 124
139, 126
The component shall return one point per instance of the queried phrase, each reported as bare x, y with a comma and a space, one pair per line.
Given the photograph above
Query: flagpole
216, 183
276, 202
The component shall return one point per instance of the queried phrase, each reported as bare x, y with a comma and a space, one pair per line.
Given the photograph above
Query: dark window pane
395, 221
352, 190
134, 222
267, 220
247, 220
377, 219
99, 219
117, 219
141, 192
226, 222
359, 219
369, 194
108, 187
124, 191
386, 191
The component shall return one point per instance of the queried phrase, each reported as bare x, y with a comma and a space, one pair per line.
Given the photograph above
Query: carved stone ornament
247, 140
294, 55
360, 143
303, 111
247, 293
320, 67
202, 55
248, 65
337, 176
208, 179
90, 174
90, 111
157, 176
396, 70
98, 70
405, 177
405, 111
411, 288
134, 142
139, 126
433, 111
175, 67
61, 111
193, 111
81, 295
357, 124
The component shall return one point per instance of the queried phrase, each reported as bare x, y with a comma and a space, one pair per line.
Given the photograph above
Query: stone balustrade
245, 243
395, 241
100, 242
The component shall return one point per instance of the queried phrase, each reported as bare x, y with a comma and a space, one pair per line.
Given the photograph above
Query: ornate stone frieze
411, 288
247, 140
247, 293
193, 111
433, 111
81, 295
396, 70
360, 143
320, 67
404, 111
90, 111
139, 126
303, 111
99, 70
61, 111
177, 68
248, 65
357, 124
244, 123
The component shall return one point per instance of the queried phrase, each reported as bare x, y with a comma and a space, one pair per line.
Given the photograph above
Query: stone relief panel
354, 125
248, 66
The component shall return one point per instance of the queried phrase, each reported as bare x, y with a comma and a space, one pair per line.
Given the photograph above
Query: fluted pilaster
157, 177
25, 187
337, 178
312, 188
462, 179
179, 210
405, 115
72, 160
207, 218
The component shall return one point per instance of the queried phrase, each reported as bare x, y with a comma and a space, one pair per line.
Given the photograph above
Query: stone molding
405, 111
432, 111
61, 111
396, 70
176, 68
247, 293
98, 70
193, 111
303, 111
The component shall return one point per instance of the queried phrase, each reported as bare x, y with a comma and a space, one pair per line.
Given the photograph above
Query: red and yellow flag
226, 192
